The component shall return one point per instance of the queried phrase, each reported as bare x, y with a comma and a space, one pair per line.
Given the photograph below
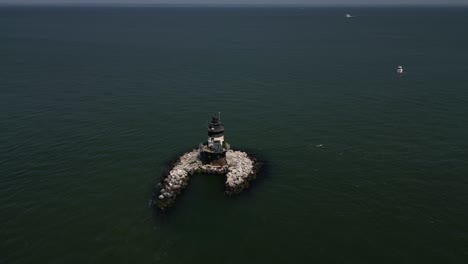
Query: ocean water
96, 100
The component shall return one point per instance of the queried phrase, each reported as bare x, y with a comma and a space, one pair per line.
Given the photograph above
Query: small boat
399, 70
348, 16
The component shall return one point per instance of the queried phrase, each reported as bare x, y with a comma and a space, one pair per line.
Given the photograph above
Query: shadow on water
262, 175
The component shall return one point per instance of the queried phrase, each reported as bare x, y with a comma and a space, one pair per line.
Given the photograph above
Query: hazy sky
245, 2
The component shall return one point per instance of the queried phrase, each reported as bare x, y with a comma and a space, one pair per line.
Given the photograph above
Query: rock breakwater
239, 171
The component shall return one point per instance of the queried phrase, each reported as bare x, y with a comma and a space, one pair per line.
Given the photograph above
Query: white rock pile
240, 169
177, 179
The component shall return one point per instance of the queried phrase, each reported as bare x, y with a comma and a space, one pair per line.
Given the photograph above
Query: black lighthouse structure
214, 152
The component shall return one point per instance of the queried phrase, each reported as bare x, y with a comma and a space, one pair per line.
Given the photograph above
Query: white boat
399, 70
348, 16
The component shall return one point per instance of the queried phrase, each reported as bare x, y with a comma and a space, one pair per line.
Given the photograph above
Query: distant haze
244, 2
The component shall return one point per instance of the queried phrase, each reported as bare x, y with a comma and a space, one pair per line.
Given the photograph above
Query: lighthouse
214, 152
216, 135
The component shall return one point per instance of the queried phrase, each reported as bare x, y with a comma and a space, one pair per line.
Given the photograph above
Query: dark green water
95, 101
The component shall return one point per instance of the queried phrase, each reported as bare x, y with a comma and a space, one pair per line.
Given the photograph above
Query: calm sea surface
95, 101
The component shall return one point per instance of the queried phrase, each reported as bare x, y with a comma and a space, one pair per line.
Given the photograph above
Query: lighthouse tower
216, 135
214, 152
